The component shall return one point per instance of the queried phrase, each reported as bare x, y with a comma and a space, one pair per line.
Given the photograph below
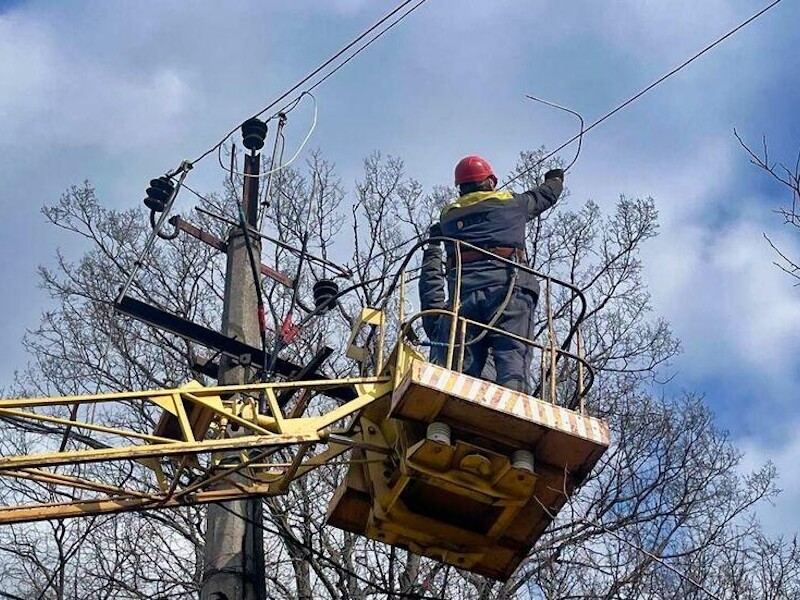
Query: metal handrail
556, 352
581, 389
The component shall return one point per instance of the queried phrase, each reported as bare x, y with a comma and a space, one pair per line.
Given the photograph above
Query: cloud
780, 517
711, 272
664, 28
52, 97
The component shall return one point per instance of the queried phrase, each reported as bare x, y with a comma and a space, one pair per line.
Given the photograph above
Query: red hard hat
473, 169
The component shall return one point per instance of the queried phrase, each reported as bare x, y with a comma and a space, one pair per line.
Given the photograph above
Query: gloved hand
554, 174
435, 230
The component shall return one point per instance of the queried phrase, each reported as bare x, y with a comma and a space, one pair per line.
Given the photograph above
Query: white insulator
439, 432
522, 459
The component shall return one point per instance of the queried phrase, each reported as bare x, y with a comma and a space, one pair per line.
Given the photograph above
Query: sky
120, 92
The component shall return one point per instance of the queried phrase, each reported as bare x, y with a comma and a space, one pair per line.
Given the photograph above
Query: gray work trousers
511, 357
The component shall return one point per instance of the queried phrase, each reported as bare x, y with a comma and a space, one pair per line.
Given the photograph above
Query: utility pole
234, 551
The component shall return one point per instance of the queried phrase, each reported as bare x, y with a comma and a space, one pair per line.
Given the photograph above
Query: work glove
554, 174
435, 231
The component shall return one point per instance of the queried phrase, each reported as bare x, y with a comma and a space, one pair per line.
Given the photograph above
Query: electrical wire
287, 163
642, 92
279, 138
184, 171
246, 231
343, 272
365, 262
572, 112
398, 8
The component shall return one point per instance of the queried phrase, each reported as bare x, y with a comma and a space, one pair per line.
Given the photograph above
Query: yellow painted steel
189, 437
466, 501
463, 501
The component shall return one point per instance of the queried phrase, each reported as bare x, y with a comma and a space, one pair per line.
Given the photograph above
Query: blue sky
120, 92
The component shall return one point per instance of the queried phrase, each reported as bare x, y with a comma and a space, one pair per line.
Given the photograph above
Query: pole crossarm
211, 444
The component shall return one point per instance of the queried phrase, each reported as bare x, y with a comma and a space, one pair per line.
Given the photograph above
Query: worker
494, 292
432, 296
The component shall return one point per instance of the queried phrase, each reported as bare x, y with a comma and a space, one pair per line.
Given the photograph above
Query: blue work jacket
495, 220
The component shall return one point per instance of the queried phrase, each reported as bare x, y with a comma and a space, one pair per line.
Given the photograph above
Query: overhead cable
274, 169
572, 112
183, 170
343, 272
641, 93
327, 63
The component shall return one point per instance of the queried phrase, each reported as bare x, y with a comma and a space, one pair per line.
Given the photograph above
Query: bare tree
788, 177
666, 514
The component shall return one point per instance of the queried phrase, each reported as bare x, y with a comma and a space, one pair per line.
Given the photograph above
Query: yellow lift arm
445, 465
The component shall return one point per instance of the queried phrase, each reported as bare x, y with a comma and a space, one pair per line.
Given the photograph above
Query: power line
572, 112
641, 93
367, 44
274, 169
327, 63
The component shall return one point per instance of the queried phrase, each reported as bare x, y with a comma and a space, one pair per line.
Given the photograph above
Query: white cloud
731, 306
779, 518
710, 269
654, 26
50, 97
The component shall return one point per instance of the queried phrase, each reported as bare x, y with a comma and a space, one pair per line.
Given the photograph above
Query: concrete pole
234, 551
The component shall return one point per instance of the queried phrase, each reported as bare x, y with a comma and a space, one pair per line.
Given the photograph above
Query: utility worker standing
432, 296
432, 284
494, 292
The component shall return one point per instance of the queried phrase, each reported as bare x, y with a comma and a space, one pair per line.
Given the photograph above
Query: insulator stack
439, 432
325, 292
158, 193
254, 132
522, 459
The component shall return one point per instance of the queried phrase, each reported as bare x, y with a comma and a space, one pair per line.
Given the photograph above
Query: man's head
474, 174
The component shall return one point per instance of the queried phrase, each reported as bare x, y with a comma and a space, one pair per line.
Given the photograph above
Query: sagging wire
420, 243
327, 63
643, 91
294, 156
572, 112
288, 331
357, 266
265, 203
